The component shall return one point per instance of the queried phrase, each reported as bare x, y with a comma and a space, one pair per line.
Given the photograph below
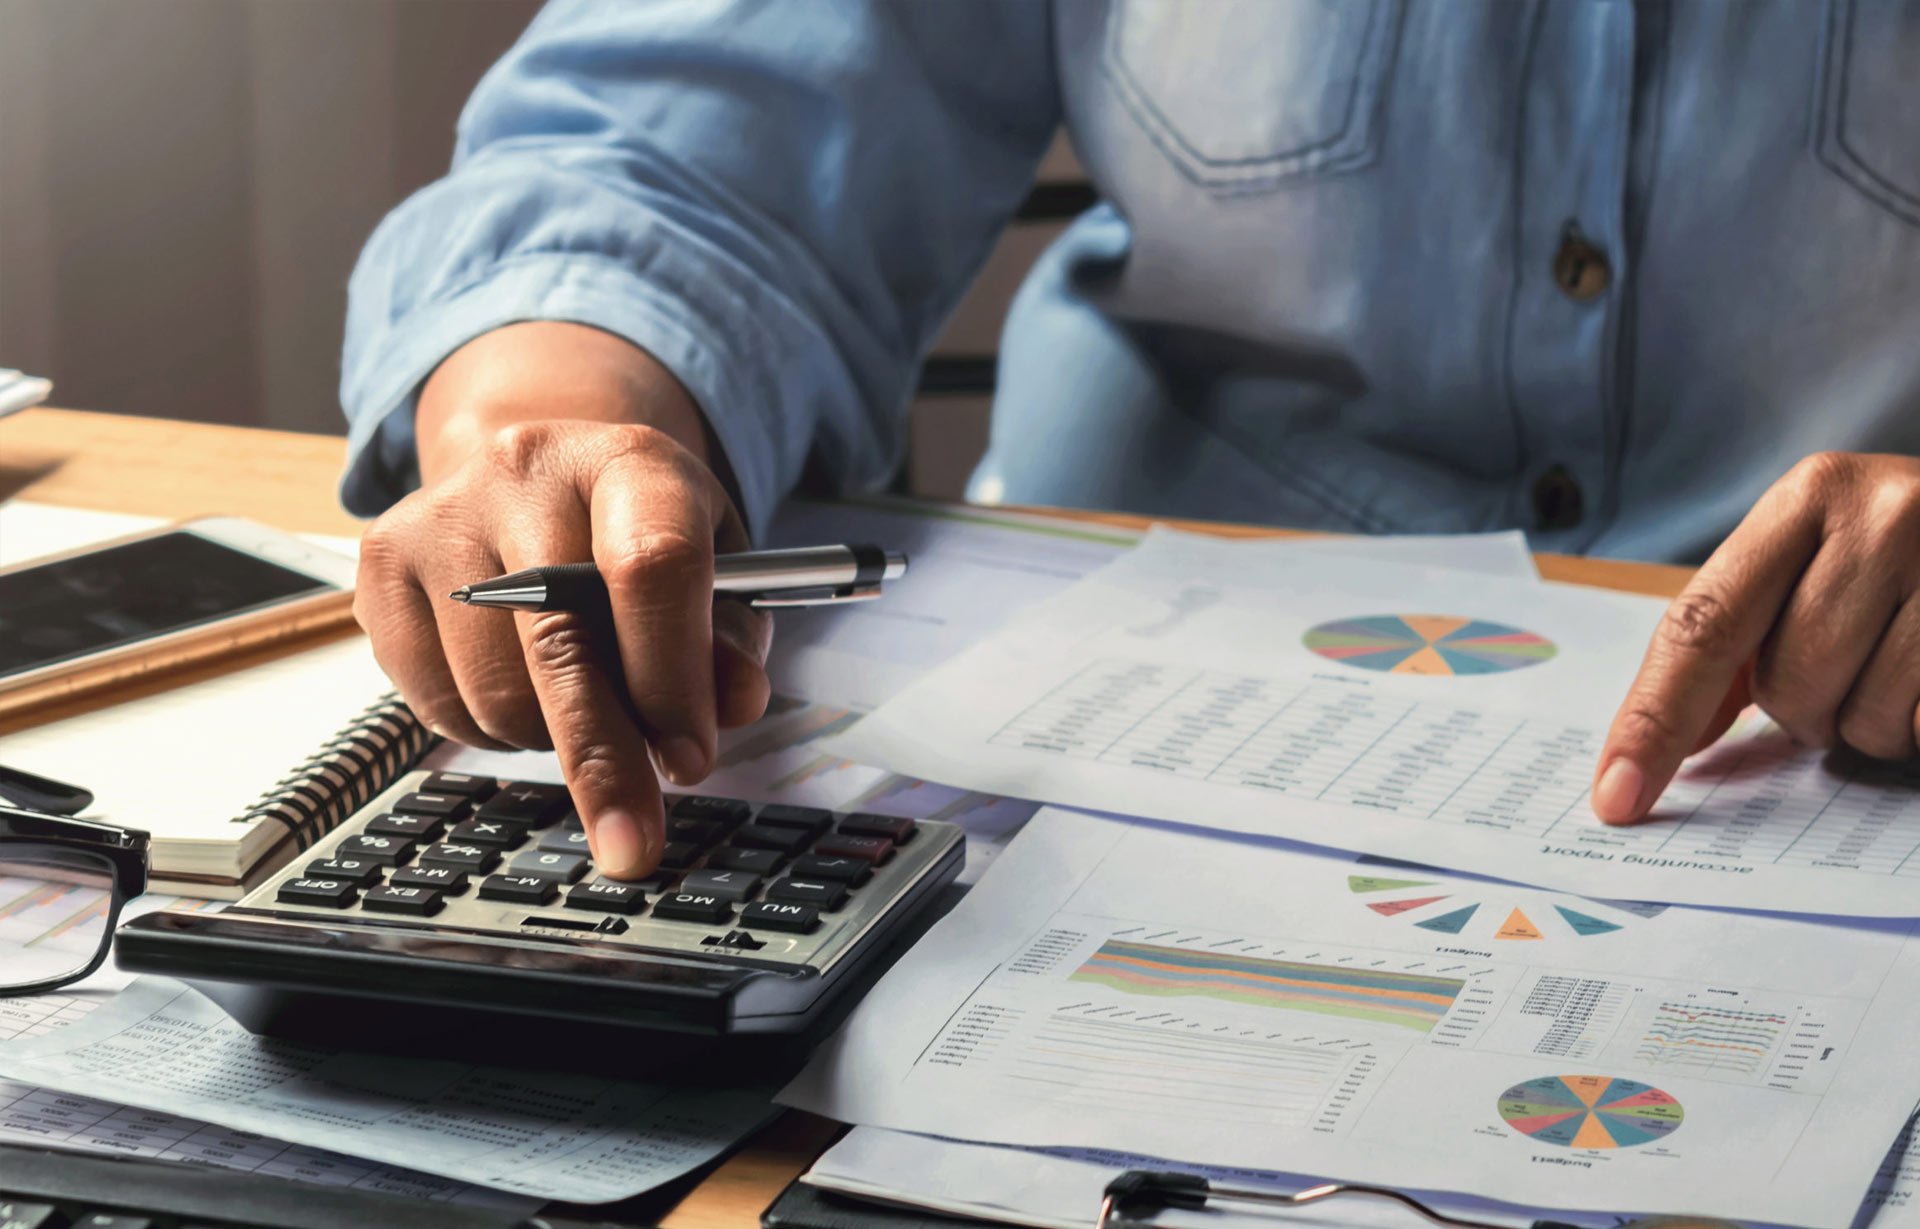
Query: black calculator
451, 901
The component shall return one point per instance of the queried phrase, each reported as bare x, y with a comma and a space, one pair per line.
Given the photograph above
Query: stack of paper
1201, 998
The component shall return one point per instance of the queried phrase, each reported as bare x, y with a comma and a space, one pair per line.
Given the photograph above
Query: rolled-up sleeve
780, 202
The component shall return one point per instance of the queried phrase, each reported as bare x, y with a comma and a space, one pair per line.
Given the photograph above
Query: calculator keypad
737, 880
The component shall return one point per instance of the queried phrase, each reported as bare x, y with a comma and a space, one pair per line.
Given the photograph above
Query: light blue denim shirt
1597, 269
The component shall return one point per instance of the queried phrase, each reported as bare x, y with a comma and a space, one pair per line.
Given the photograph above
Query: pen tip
463, 594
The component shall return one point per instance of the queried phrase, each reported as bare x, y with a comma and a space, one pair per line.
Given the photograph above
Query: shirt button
1579, 268
1557, 500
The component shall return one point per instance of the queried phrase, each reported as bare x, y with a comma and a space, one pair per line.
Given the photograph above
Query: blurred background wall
184, 185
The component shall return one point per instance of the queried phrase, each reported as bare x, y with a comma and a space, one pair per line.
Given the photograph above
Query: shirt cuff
577, 288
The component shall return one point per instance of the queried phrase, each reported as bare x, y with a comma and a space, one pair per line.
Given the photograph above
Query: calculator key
564, 840
693, 907
474, 859
679, 855
874, 849
449, 807
658, 882
526, 804
811, 819
777, 915
333, 893
419, 827
560, 867
391, 850
520, 889
701, 832
415, 902
493, 833
440, 878
851, 871
357, 871
779, 815
759, 836
607, 896
19, 1214
822, 892
895, 828
758, 861
728, 811
727, 885
464, 784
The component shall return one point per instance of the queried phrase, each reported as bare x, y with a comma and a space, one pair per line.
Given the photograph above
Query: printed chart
1409, 1000
49, 928
1428, 644
1703, 1038
1760, 801
1590, 1111
1443, 909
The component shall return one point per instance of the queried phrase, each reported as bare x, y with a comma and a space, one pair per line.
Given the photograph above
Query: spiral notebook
236, 774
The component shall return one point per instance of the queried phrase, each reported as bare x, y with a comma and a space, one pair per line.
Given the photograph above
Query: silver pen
804, 576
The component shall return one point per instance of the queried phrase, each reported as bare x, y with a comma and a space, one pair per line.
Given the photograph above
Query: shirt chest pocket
1246, 95
1867, 106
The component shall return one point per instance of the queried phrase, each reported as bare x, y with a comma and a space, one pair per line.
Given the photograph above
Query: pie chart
1590, 1111
1486, 913
1428, 644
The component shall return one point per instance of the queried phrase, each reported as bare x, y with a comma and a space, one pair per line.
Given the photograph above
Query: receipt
162, 1046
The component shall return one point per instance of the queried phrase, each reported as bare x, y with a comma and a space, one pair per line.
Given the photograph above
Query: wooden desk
178, 470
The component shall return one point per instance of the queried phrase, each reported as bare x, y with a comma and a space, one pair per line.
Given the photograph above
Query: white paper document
1228, 1001
162, 1046
970, 573
50, 1119
971, 569
1434, 715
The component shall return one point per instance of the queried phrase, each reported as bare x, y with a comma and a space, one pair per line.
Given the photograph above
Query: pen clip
832, 595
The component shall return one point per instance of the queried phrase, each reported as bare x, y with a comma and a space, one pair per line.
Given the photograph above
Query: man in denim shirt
1643, 280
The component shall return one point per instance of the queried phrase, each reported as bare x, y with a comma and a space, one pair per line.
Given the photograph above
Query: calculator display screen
120, 595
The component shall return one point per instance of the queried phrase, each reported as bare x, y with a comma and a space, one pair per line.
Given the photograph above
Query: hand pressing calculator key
452, 899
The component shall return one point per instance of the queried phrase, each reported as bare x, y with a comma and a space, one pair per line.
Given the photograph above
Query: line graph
1705, 1037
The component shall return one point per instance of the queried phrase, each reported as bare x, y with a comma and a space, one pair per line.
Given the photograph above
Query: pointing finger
1707, 636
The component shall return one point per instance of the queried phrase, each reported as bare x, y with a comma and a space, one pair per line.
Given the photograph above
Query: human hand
510, 486
1807, 609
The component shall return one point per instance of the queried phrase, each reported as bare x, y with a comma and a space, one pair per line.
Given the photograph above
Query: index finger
657, 522
596, 735
1707, 635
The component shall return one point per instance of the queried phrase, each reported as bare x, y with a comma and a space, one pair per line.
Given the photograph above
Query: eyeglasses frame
125, 850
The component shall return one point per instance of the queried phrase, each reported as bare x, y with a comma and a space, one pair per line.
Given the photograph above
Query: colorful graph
1410, 1000
1706, 1037
1590, 1111
1445, 909
1428, 644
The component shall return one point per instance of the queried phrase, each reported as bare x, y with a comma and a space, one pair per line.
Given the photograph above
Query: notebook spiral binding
359, 761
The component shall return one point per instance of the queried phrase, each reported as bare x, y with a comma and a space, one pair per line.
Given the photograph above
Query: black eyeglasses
63, 882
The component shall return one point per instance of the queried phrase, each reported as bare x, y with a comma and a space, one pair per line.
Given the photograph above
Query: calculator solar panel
451, 894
